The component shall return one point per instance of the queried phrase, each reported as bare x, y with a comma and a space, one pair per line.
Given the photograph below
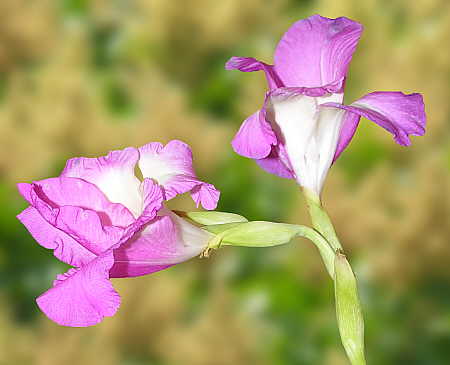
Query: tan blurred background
79, 78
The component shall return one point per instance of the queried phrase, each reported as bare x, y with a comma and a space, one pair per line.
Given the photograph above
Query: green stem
348, 308
320, 219
321, 243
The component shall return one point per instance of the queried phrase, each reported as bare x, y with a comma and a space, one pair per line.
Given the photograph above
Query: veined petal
400, 114
249, 64
294, 116
153, 198
329, 125
165, 241
64, 247
317, 51
61, 191
82, 297
84, 225
206, 195
112, 174
161, 162
255, 138
171, 167
202, 193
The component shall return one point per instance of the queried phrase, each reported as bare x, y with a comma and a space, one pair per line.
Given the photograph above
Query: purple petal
400, 114
161, 162
317, 51
249, 64
273, 164
326, 90
206, 195
65, 247
25, 191
82, 297
153, 198
84, 225
348, 129
202, 193
165, 241
112, 174
171, 166
61, 191
255, 138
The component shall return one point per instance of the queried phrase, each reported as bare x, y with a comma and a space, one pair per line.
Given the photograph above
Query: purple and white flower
98, 217
303, 126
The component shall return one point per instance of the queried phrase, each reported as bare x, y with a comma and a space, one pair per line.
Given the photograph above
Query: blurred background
80, 78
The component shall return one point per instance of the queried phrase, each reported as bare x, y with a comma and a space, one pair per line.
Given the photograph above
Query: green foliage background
81, 77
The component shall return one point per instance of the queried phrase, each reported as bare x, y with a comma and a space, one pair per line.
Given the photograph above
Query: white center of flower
155, 167
122, 187
310, 134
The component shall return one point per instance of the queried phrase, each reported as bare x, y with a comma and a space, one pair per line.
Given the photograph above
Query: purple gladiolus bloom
100, 218
303, 127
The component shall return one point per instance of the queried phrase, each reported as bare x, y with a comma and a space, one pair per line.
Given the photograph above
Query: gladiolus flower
303, 127
98, 217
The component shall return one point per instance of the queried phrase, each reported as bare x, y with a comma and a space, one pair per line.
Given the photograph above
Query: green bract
213, 217
265, 234
254, 234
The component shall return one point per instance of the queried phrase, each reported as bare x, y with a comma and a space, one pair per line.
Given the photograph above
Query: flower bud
348, 310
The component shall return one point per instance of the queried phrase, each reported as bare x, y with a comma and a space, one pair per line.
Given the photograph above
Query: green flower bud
348, 310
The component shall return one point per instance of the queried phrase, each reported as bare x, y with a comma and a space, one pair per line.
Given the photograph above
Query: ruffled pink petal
163, 242
249, 64
60, 191
112, 174
84, 225
317, 51
206, 195
171, 167
153, 198
202, 193
255, 138
64, 247
161, 162
82, 297
400, 114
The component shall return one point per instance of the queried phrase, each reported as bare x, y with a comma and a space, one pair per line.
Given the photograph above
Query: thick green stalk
324, 248
320, 219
